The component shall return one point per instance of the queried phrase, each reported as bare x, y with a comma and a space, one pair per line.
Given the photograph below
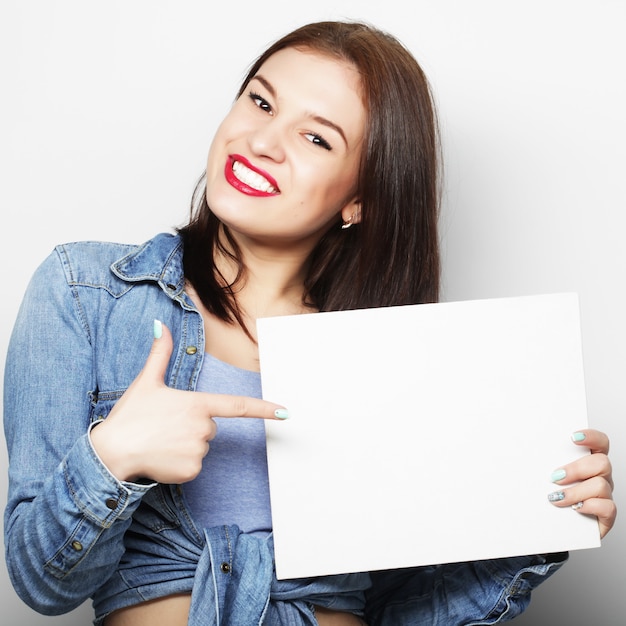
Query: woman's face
284, 162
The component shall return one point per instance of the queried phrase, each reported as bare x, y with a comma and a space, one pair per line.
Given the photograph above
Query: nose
268, 140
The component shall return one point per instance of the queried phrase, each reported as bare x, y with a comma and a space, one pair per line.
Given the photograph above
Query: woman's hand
162, 434
591, 481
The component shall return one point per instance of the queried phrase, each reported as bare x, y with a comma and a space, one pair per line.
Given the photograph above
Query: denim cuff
94, 490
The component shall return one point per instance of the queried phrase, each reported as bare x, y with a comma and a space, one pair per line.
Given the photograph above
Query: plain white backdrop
107, 111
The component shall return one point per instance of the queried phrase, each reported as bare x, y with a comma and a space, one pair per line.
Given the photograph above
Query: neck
273, 283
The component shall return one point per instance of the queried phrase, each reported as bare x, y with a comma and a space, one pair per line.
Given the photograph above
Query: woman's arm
66, 514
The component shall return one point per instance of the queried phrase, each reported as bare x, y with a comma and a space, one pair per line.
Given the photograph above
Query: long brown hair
392, 256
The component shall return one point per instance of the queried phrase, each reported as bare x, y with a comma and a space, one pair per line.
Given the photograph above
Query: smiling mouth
252, 179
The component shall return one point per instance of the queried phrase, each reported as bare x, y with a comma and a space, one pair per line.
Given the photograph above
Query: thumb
155, 366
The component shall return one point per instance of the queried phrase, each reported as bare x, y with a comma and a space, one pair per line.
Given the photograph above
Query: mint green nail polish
578, 437
281, 414
557, 475
158, 329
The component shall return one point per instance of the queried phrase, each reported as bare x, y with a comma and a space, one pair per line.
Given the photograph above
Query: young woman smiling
150, 491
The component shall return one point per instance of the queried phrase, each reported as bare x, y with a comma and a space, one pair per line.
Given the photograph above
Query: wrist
110, 453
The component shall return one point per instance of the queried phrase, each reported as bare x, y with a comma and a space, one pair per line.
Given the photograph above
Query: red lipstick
247, 188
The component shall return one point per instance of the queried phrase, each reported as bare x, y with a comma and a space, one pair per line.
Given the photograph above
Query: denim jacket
73, 531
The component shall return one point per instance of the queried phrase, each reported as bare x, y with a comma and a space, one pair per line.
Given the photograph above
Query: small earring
347, 223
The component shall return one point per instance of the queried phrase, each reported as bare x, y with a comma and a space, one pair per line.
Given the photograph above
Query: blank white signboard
423, 434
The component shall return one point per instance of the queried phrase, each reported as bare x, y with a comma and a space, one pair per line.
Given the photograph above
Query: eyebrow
318, 118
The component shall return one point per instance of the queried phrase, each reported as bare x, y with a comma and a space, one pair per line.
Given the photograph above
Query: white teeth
252, 179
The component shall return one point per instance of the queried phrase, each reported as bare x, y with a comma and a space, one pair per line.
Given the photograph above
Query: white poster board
423, 434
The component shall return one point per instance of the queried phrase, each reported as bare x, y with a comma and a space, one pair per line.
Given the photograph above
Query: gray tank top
233, 486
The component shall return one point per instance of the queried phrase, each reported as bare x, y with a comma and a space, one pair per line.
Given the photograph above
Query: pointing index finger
222, 405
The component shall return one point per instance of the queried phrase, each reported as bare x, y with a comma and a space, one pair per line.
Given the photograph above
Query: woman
320, 194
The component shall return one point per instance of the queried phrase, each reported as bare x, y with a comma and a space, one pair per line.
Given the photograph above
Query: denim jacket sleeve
63, 504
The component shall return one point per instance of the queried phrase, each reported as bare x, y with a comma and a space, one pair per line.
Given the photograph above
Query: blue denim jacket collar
159, 259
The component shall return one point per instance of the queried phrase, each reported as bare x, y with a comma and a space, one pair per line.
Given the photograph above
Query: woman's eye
318, 140
260, 102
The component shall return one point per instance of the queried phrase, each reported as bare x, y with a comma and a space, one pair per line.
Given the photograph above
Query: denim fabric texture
72, 531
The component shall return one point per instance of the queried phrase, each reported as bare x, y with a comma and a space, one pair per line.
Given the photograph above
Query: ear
351, 213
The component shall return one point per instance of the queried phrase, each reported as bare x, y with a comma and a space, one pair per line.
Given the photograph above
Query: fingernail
578, 505
578, 437
281, 414
158, 329
557, 475
556, 496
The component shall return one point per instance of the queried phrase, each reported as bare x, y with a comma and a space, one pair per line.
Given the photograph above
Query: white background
107, 111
